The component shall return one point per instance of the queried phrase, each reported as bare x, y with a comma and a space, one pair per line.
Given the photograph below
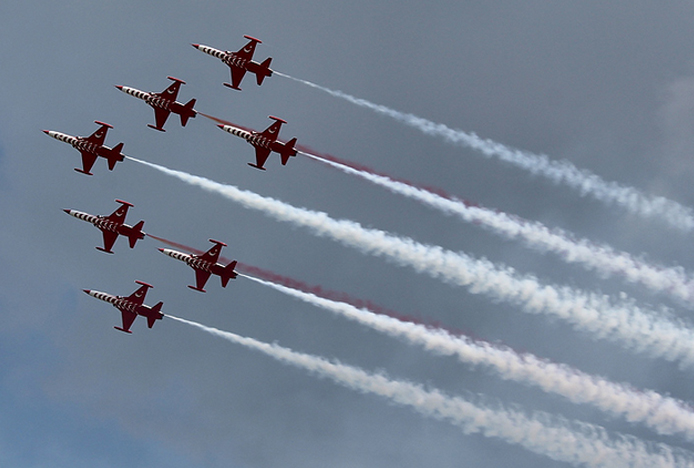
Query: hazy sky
609, 87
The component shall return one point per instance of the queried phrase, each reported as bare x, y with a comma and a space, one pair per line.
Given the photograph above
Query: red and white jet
265, 142
205, 265
132, 306
240, 62
92, 147
164, 103
113, 225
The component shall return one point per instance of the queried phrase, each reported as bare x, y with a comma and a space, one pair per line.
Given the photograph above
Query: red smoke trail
319, 291
360, 167
225, 122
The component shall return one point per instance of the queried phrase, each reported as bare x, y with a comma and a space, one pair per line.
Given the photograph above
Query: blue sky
607, 87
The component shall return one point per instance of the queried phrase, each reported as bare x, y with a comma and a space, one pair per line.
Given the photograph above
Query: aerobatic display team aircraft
113, 225
131, 306
240, 62
265, 142
92, 147
205, 265
164, 103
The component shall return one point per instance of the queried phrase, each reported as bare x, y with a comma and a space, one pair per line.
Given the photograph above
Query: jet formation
164, 104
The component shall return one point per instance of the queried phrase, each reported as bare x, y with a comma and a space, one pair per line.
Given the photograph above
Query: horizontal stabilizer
123, 330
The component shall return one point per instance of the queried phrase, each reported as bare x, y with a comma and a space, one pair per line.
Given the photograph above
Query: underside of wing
237, 74
88, 160
261, 155
128, 319
109, 240
160, 116
201, 278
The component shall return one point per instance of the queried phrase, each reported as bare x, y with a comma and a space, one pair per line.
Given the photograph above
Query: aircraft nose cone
120, 87
220, 126
87, 290
196, 45
67, 211
45, 131
161, 250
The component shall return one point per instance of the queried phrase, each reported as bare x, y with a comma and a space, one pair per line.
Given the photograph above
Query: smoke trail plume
340, 296
600, 258
558, 172
665, 415
577, 443
623, 323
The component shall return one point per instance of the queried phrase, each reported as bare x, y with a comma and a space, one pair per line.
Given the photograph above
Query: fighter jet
240, 62
265, 142
132, 306
205, 265
164, 103
92, 147
113, 225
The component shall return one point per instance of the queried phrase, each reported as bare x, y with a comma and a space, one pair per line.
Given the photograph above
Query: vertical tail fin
288, 151
155, 314
228, 273
188, 112
136, 234
114, 156
264, 71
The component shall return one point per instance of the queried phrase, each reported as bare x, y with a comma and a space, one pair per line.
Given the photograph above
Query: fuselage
234, 60
103, 223
118, 302
152, 99
79, 143
124, 304
195, 262
254, 138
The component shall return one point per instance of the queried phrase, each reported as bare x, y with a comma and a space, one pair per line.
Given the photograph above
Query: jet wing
211, 255
246, 52
99, 136
119, 215
88, 160
138, 296
128, 319
201, 278
109, 239
261, 155
160, 115
237, 74
171, 93
273, 131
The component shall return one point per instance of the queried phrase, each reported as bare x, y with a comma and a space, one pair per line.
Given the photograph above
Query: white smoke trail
576, 443
622, 323
665, 415
600, 258
559, 172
